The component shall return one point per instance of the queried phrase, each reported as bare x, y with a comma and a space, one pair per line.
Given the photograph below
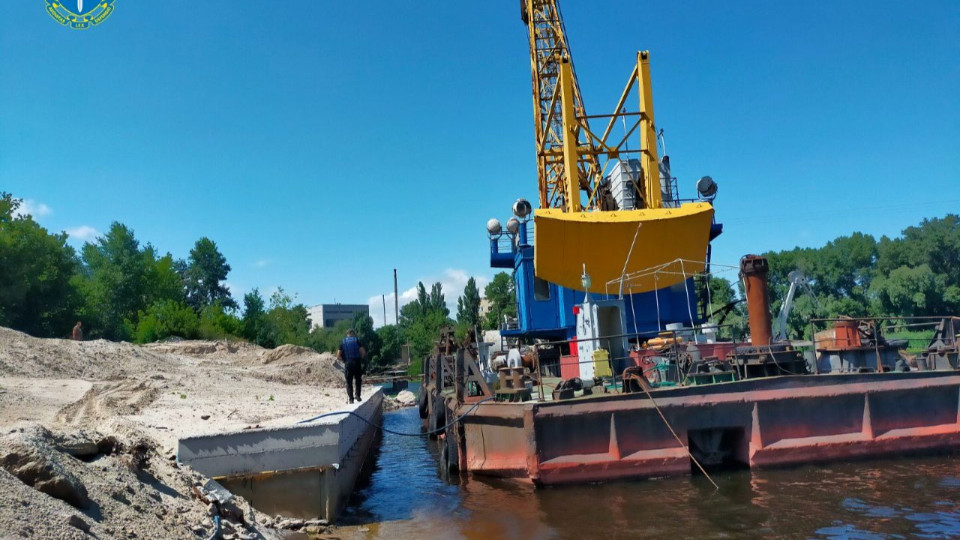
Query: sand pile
286, 351
289, 364
26, 356
89, 484
206, 349
309, 367
88, 430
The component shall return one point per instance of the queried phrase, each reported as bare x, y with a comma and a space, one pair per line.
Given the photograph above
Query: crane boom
549, 51
595, 194
568, 153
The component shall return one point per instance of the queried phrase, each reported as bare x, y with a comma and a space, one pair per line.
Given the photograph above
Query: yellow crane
579, 220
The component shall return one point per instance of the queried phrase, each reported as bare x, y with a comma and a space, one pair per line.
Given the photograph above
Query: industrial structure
614, 372
608, 209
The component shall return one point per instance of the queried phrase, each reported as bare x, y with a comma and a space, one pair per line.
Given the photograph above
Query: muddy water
404, 496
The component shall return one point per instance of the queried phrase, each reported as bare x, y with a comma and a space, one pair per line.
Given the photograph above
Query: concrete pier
318, 460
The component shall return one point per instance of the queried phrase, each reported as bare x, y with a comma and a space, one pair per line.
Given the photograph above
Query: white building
327, 315
485, 307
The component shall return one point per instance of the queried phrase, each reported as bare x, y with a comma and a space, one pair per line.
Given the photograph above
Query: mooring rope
400, 433
667, 423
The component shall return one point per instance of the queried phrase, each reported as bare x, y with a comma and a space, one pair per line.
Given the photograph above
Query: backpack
351, 348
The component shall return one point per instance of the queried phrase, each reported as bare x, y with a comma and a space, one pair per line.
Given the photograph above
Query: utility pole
396, 300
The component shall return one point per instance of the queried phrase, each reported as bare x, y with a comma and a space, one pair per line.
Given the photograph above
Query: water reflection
405, 496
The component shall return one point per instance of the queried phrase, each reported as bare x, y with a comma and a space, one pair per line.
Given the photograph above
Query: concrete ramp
332, 450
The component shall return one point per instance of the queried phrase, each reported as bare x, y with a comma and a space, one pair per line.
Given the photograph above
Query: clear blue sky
321, 144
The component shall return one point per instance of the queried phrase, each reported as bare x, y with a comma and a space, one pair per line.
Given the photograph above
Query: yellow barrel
601, 363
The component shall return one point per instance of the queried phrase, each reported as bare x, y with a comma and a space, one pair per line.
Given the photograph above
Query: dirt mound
286, 351
125, 490
106, 400
27, 356
240, 350
33, 462
311, 368
113, 414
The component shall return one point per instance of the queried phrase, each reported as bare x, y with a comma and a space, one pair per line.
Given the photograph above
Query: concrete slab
332, 449
321, 443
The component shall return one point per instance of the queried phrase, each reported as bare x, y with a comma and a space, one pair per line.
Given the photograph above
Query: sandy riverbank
88, 430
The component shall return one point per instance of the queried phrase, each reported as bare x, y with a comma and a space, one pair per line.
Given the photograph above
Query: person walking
352, 353
77, 332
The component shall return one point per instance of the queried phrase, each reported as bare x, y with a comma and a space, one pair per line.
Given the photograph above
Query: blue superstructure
545, 310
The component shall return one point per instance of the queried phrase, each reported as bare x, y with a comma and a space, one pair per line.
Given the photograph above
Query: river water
403, 495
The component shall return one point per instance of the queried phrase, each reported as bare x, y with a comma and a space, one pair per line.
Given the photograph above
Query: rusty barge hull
767, 422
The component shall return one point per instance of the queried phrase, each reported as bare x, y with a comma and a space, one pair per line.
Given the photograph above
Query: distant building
485, 307
328, 315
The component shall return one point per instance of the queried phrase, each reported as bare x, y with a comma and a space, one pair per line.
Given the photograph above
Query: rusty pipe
753, 272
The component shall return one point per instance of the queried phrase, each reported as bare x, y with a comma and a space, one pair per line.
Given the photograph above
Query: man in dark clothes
352, 353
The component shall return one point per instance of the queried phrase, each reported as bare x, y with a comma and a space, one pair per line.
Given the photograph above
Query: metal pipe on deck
753, 272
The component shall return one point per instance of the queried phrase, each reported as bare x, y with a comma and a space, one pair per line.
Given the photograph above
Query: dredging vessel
628, 379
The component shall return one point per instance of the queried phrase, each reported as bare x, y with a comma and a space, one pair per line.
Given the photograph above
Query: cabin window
541, 289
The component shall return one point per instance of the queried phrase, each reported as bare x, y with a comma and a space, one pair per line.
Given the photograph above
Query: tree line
422, 320
916, 273
122, 289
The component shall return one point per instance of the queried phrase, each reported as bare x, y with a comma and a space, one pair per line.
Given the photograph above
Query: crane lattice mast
549, 49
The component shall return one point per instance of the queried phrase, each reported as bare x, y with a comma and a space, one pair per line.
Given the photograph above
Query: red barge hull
766, 422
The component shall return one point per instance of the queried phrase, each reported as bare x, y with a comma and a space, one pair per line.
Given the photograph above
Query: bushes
215, 323
166, 318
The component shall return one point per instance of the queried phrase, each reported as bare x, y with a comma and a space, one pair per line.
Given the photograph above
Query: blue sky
322, 144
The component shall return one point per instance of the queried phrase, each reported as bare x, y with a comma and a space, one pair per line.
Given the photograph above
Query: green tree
917, 273
391, 342
916, 291
255, 327
437, 301
328, 339
920, 271
935, 242
843, 268
217, 323
418, 308
423, 332
164, 280
503, 300
119, 280
206, 270
423, 318
288, 323
468, 305
426, 303
36, 267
